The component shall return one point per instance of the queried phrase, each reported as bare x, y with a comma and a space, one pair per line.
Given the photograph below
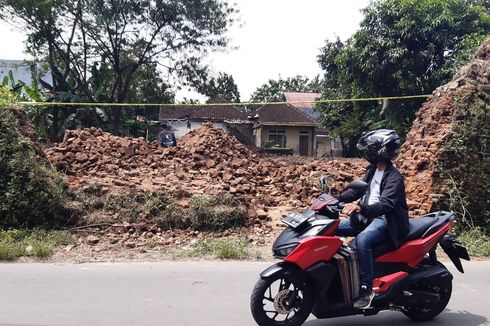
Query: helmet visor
361, 147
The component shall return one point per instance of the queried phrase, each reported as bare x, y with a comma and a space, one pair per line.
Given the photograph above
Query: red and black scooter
409, 279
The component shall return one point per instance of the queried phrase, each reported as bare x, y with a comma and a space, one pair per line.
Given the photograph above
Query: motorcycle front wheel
279, 301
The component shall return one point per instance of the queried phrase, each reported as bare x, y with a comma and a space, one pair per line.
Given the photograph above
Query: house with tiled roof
282, 128
276, 128
325, 145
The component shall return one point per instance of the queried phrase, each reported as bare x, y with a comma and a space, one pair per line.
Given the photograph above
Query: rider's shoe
365, 298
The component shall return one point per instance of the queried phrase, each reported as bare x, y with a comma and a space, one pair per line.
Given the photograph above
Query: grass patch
36, 243
476, 242
204, 213
221, 248
216, 213
127, 207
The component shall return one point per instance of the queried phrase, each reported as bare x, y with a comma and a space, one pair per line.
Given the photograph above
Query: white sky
276, 38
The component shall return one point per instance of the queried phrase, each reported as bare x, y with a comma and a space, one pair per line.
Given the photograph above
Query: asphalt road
183, 293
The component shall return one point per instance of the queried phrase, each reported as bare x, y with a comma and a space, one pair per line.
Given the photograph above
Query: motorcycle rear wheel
278, 301
429, 312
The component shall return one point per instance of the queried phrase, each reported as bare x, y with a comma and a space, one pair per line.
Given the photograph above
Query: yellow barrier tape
221, 104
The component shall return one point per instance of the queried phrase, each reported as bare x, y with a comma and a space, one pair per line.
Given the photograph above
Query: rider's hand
350, 208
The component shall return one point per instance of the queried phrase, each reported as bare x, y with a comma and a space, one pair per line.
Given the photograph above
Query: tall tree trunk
55, 123
120, 99
55, 110
117, 120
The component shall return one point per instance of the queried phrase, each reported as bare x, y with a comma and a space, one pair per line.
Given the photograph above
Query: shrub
7, 98
476, 241
173, 217
32, 193
216, 213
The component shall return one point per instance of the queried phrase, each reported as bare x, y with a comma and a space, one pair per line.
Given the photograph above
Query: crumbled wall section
428, 144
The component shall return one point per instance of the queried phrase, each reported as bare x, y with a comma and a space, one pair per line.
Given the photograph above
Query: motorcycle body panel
383, 284
291, 237
330, 230
413, 252
393, 294
313, 250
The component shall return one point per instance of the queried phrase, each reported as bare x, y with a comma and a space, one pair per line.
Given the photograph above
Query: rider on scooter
380, 219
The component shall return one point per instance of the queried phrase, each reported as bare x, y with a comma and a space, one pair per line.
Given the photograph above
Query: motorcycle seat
418, 226
422, 226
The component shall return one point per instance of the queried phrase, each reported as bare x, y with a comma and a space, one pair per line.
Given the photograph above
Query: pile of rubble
206, 161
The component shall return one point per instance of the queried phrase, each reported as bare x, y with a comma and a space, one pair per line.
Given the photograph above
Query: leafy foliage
100, 49
476, 241
7, 98
275, 88
222, 86
32, 193
403, 47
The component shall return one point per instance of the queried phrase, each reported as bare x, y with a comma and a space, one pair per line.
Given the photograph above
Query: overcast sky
275, 38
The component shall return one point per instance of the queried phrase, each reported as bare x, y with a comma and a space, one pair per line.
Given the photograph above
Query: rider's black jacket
392, 202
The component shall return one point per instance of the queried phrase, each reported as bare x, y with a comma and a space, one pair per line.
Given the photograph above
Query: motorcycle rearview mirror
358, 185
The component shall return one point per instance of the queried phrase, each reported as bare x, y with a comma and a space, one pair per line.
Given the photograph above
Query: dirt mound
440, 136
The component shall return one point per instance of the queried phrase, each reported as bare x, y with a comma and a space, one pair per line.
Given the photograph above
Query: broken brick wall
446, 157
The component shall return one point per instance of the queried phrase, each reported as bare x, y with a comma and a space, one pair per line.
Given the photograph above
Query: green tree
276, 88
403, 47
221, 86
122, 37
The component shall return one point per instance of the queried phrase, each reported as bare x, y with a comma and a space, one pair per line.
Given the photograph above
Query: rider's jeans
374, 234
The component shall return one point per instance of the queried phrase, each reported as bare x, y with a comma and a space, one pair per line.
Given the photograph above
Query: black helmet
380, 145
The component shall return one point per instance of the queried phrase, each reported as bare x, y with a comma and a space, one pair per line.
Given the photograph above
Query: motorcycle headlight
284, 251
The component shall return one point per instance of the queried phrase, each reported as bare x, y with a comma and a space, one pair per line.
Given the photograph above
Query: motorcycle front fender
283, 268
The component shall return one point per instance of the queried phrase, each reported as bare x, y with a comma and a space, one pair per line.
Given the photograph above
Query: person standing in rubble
166, 137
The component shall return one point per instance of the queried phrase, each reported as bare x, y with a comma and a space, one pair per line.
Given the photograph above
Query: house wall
292, 136
258, 137
327, 147
181, 128
323, 146
243, 132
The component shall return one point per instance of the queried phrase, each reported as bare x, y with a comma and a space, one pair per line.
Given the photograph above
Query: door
303, 145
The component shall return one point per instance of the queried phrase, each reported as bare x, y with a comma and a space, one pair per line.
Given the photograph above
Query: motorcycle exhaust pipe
416, 297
